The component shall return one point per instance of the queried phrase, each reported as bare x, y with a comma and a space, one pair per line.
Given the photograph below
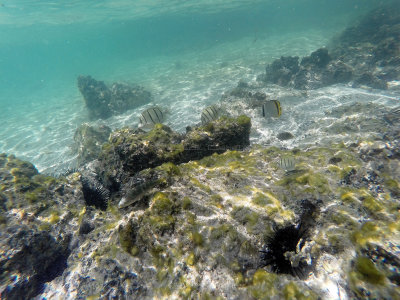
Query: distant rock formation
366, 54
103, 102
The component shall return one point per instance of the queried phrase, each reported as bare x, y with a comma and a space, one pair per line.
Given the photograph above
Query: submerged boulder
103, 102
97, 97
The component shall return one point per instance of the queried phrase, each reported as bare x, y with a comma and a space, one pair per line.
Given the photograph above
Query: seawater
186, 53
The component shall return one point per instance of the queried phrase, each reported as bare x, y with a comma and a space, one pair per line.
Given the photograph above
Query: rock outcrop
129, 151
102, 101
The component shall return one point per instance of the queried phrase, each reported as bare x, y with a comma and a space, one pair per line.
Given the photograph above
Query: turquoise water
187, 53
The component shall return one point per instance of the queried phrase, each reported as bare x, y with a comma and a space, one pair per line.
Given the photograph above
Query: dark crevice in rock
36, 257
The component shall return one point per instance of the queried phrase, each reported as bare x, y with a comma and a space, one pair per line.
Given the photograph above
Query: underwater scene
200, 149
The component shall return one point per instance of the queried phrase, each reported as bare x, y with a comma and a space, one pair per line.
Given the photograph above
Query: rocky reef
103, 101
206, 215
365, 54
205, 219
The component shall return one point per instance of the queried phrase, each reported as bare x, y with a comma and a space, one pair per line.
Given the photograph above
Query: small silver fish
287, 163
210, 113
271, 108
151, 116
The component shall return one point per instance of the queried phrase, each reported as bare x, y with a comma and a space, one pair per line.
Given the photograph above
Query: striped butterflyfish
287, 163
271, 108
151, 116
210, 113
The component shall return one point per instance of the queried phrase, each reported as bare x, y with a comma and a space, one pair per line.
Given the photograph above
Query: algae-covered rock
88, 141
229, 225
129, 151
217, 137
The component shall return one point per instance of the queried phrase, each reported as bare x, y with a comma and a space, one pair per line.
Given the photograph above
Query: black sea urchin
94, 192
285, 244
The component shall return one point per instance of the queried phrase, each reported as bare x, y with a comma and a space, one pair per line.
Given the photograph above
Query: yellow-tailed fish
271, 108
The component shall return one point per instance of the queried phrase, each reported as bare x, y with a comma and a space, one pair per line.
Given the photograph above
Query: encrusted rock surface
102, 101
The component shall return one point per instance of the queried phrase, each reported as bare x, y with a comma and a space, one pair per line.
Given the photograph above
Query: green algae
370, 232
200, 185
371, 203
263, 285
316, 181
162, 205
246, 217
261, 199
348, 195
186, 203
190, 218
343, 219
231, 160
207, 296
127, 239
293, 291
104, 252
197, 238
217, 200
54, 217
224, 230
170, 169
392, 185
361, 196
368, 271
191, 259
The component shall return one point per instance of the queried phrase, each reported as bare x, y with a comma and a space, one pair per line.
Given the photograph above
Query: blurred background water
186, 53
